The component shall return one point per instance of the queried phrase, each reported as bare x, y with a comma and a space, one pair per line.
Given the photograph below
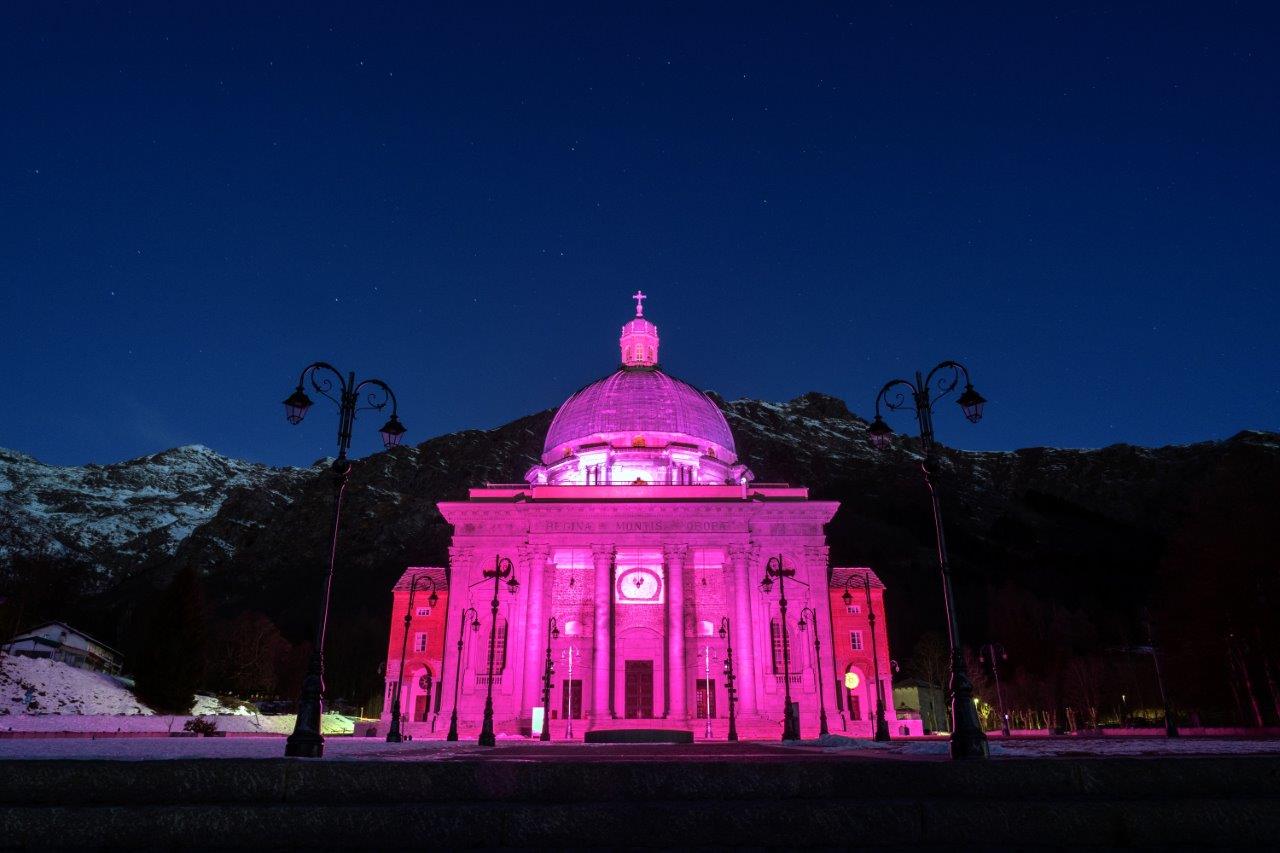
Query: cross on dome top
639, 341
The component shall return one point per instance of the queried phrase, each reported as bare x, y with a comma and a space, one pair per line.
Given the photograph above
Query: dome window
638, 441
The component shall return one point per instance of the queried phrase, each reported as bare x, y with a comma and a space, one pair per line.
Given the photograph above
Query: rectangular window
499, 649
424, 611
706, 696
855, 640
420, 641
855, 707
854, 609
775, 632
571, 699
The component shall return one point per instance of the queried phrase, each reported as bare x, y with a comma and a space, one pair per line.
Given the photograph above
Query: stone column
675, 629
744, 656
602, 636
533, 565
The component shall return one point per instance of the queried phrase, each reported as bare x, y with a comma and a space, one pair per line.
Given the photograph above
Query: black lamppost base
486, 731
969, 745
882, 730
790, 724
304, 747
394, 737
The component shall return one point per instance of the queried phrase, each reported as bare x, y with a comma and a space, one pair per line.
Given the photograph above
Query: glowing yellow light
851, 681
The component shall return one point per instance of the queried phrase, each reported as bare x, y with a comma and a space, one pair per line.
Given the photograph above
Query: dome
643, 401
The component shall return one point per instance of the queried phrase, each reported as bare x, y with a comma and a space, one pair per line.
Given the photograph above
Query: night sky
1080, 203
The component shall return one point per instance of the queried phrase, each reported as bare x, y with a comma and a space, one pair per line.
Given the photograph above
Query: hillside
1053, 549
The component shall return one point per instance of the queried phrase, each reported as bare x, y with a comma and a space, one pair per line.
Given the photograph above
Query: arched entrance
857, 695
420, 688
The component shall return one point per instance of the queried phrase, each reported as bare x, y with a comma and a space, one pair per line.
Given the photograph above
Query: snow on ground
43, 695
35, 686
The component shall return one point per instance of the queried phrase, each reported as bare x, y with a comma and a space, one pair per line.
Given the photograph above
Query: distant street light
393, 733
817, 657
306, 740
553, 633
502, 570
967, 738
992, 652
882, 723
457, 670
730, 689
776, 569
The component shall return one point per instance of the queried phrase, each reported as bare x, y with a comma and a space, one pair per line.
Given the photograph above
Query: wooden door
639, 689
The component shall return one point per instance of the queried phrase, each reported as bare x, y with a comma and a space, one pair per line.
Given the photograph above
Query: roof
841, 577
638, 400
435, 573
69, 630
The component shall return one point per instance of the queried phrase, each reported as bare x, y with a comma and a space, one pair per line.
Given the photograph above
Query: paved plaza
835, 748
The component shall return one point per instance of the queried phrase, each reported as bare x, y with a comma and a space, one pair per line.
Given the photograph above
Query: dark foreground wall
270, 804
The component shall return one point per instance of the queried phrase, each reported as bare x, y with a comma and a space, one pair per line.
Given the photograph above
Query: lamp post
457, 672
553, 633
731, 691
393, 733
306, 740
775, 568
568, 693
502, 570
817, 656
967, 738
989, 653
1170, 727
882, 724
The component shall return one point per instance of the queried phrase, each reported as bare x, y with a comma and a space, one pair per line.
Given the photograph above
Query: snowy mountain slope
120, 516
56, 688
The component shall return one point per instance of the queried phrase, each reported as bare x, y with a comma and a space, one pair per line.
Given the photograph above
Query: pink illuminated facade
638, 532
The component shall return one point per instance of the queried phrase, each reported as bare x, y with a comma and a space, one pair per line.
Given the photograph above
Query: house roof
27, 634
434, 573
841, 577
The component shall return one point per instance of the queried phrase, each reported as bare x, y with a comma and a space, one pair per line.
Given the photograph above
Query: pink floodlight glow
642, 535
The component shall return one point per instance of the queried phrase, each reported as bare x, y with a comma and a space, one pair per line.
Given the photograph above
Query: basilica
634, 564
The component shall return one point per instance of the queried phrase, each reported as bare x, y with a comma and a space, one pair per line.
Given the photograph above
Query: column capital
460, 553
602, 549
674, 550
739, 551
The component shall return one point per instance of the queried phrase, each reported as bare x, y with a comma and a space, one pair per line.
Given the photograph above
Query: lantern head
722, 632
295, 408
847, 598
766, 585
513, 586
433, 599
391, 432
475, 624
879, 433
555, 633
971, 403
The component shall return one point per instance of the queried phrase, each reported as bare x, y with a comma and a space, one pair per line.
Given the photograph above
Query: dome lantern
639, 340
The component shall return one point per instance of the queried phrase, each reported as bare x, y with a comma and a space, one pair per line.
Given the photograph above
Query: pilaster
674, 555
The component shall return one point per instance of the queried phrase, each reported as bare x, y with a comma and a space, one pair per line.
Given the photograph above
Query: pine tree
172, 662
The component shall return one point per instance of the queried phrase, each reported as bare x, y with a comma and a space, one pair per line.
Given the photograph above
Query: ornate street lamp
393, 733
306, 740
775, 568
502, 570
553, 633
882, 724
989, 654
967, 738
817, 656
457, 671
731, 691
